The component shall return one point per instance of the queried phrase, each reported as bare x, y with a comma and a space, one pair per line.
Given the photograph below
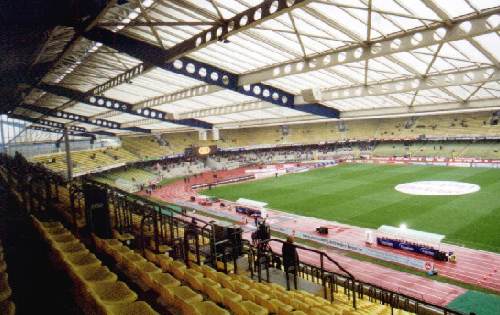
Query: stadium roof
165, 66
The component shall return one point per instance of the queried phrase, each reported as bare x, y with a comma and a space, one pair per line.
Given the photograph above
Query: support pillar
69, 162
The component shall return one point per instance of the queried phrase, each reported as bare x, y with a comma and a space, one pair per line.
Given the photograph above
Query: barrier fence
164, 227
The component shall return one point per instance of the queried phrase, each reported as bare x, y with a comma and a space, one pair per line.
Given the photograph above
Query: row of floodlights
143, 112
84, 119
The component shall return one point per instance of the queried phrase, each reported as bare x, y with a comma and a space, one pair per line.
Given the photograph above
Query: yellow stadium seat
53, 224
226, 281
259, 297
215, 293
230, 298
61, 239
109, 243
184, 295
206, 282
299, 305
79, 260
163, 280
330, 309
195, 267
111, 293
152, 257
312, 301
244, 291
286, 310
165, 262
318, 311
135, 308
249, 308
274, 306
193, 278
7, 308
144, 270
5, 290
204, 308
206, 269
118, 253
72, 248
130, 259
96, 274
299, 313
178, 268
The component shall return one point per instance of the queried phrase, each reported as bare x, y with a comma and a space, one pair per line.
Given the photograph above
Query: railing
37, 194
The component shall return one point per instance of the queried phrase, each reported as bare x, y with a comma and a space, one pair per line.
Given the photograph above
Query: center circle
437, 188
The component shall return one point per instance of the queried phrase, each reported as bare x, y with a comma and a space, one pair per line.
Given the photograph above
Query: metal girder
48, 123
61, 131
220, 110
105, 102
79, 118
225, 110
179, 95
124, 77
266, 10
486, 104
417, 110
13, 124
459, 77
460, 28
442, 14
204, 72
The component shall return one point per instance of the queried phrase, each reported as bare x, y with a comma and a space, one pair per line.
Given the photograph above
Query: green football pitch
364, 195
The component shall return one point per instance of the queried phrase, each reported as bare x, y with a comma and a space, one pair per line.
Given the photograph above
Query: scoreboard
201, 151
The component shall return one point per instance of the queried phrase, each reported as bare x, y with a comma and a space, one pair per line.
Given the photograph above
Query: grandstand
237, 157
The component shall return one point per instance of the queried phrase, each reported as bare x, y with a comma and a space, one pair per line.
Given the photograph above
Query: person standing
290, 261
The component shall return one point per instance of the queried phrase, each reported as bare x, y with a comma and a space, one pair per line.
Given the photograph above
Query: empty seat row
163, 276
97, 289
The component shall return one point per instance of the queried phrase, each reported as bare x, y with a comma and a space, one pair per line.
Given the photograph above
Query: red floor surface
473, 266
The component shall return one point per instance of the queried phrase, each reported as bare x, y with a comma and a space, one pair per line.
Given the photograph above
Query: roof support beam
105, 102
53, 125
460, 77
204, 72
179, 95
418, 110
460, 28
226, 110
45, 122
61, 131
79, 118
442, 14
483, 104
212, 111
266, 10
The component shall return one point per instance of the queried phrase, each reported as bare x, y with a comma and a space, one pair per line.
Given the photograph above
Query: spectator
290, 261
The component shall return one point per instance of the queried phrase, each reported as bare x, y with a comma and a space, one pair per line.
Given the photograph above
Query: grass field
364, 195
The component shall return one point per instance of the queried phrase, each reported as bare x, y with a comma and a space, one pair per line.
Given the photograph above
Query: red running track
473, 266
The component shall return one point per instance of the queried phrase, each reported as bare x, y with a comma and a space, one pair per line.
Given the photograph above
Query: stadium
237, 157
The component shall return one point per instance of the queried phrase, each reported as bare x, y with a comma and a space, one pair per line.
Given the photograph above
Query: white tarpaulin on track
410, 235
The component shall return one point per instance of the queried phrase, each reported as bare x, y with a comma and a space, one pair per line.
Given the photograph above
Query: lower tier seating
97, 289
7, 307
201, 290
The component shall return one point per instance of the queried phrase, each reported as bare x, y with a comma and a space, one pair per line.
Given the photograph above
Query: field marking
437, 188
